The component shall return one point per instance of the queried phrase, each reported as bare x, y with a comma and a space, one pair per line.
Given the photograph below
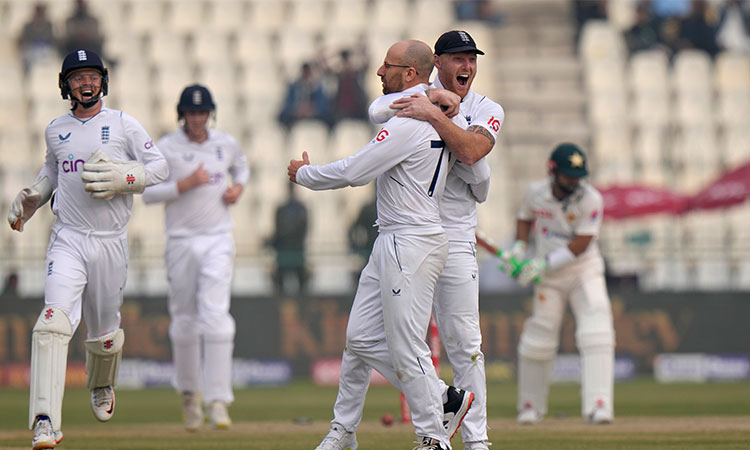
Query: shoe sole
44, 445
462, 411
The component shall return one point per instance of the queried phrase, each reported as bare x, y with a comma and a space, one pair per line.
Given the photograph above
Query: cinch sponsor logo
71, 164
216, 178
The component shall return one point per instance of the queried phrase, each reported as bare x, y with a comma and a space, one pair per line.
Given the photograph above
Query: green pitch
295, 417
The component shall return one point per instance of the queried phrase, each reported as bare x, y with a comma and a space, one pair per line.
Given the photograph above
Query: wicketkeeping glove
27, 202
105, 178
511, 259
531, 270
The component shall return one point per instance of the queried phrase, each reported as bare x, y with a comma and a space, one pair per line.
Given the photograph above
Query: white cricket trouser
199, 270
387, 330
86, 273
583, 284
457, 317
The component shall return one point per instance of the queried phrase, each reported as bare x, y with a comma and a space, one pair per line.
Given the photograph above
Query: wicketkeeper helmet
195, 98
568, 160
81, 59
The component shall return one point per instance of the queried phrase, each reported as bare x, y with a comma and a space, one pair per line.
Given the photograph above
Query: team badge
219, 153
105, 134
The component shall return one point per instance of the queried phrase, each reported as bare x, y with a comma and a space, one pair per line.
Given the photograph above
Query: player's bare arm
294, 166
523, 230
199, 177
579, 244
232, 194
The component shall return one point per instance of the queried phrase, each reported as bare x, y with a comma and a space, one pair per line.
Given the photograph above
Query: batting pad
103, 356
49, 356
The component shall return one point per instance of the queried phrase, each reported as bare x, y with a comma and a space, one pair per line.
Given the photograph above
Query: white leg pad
49, 357
103, 356
534, 377
596, 342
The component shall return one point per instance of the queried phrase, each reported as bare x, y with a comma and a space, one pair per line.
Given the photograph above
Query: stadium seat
735, 145
600, 41
211, 47
184, 16
227, 16
166, 47
307, 15
143, 16
350, 16
349, 136
732, 72
390, 15
267, 15
310, 136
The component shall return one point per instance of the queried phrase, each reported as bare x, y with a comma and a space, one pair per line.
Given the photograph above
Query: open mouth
87, 92
462, 80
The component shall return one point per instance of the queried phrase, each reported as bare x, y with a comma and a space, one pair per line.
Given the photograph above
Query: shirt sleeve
387, 149
166, 190
239, 170
590, 220
525, 212
380, 109
142, 148
49, 169
477, 177
490, 116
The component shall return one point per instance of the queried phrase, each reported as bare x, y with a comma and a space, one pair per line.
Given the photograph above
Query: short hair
419, 55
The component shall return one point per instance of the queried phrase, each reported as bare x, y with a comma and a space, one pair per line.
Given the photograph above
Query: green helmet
568, 160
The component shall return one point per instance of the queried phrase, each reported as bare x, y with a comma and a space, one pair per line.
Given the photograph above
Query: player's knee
53, 321
218, 327
538, 341
595, 331
103, 359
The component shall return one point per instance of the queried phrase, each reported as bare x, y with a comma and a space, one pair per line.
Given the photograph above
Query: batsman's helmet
568, 160
195, 98
81, 59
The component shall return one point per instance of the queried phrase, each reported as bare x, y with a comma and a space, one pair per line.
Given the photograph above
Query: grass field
295, 417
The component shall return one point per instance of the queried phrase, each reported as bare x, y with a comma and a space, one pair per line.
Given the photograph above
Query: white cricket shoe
44, 434
103, 403
455, 409
600, 416
192, 412
218, 416
529, 416
428, 443
338, 439
477, 445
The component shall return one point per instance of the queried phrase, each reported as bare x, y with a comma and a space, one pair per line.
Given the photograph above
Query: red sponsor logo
382, 134
494, 124
130, 179
544, 213
108, 344
48, 314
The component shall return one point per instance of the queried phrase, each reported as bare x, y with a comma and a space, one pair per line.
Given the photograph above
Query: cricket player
562, 215
200, 255
392, 307
456, 303
96, 159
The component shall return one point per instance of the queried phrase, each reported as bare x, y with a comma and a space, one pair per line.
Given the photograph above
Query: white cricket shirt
410, 163
71, 141
200, 210
557, 222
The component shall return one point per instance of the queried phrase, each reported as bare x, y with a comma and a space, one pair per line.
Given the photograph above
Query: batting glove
510, 260
531, 271
105, 178
27, 202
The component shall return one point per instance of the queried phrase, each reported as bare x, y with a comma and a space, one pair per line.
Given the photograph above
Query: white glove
27, 202
511, 259
105, 178
531, 270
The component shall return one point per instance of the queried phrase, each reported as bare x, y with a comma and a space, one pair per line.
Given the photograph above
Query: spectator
697, 32
306, 99
482, 10
644, 34
82, 31
11, 286
733, 31
362, 233
351, 101
37, 40
288, 241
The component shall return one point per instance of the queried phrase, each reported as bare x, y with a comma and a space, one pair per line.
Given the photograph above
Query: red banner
632, 201
730, 189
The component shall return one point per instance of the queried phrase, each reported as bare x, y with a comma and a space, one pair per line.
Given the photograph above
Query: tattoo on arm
478, 129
